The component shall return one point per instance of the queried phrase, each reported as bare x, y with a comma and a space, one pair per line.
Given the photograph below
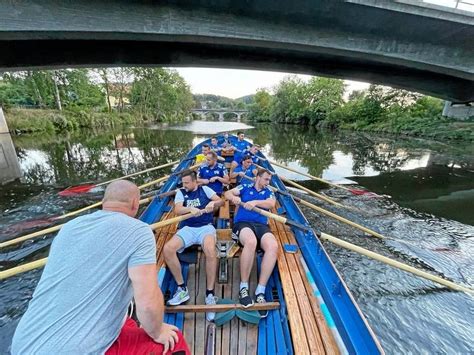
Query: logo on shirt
193, 203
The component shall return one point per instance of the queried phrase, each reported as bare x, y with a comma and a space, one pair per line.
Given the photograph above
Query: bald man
96, 264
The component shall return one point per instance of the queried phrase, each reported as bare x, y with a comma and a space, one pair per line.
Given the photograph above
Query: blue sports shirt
250, 193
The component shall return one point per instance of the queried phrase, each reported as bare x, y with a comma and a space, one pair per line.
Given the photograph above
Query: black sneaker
244, 298
260, 299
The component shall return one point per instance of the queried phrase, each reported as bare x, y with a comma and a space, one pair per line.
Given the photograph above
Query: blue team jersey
241, 147
206, 172
248, 172
216, 148
198, 198
255, 159
249, 193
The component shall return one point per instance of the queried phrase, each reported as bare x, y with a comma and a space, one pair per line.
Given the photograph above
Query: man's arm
233, 195
268, 204
150, 305
180, 209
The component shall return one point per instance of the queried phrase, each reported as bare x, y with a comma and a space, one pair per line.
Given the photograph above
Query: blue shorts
194, 235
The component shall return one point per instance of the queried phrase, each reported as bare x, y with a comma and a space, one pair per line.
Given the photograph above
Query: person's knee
170, 248
270, 245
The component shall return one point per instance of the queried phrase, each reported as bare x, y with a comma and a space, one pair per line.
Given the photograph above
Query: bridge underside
362, 40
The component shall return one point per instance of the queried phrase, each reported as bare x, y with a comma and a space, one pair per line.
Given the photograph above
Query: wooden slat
298, 333
189, 318
224, 234
227, 288
224, 210
200, 323
309, 323
202, 308
252, 329
234, 323
326, 335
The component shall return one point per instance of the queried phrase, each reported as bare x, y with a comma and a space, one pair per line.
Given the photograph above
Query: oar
76, 190
278, 218
353, 191
41, 262
58, 227
369, 253
397, 264
95, 205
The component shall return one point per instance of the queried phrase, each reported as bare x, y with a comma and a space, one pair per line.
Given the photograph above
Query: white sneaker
210, 300
180, 296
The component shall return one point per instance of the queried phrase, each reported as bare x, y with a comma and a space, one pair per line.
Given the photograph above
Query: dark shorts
258, 229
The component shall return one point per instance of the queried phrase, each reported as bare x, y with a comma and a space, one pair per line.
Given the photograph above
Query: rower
251, 230
201, 158
215, 146
246, 168
213, 174
240, 147
198, 230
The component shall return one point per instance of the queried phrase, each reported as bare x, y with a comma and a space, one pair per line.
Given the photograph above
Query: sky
235, 83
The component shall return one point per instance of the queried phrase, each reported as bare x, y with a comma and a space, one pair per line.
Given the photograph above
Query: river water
422, 195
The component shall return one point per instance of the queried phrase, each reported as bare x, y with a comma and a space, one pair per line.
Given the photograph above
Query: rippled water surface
423, 196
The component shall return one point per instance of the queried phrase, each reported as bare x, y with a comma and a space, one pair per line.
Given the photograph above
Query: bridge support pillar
9, 166
3, 122
221, 116
458, 111
239, 116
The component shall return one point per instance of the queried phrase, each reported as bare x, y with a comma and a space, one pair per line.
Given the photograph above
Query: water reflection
427, 181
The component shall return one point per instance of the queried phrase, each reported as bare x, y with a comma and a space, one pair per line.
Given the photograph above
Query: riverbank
42, 120
437, 128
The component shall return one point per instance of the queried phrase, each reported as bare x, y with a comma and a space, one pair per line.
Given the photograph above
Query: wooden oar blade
363, 192
76, 190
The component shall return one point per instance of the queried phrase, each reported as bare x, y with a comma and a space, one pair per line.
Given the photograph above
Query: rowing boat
311, 310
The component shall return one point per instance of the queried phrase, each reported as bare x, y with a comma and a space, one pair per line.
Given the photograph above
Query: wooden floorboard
298, 333
309, 323
227, 293
234, 323
189, 318
200, 323
327, 338
252, 329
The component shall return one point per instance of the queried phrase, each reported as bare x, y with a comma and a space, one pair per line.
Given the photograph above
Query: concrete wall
9, 165
458, 111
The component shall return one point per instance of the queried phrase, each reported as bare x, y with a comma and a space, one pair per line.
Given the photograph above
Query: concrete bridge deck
404, 44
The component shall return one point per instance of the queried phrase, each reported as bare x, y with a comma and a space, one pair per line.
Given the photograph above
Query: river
422, 193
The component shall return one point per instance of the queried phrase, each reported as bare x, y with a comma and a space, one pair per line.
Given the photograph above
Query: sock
209, 292
260, 289
244, 285
182, 286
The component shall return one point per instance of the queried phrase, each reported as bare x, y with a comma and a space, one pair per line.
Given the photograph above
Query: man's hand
250, 205
241, 174
210, 207
195, 211
213, 179
236, 200
167, 337
205, 181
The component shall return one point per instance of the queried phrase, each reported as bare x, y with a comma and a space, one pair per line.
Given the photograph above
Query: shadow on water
426, 193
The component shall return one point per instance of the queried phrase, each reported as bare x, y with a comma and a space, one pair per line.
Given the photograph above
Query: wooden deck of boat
307, 326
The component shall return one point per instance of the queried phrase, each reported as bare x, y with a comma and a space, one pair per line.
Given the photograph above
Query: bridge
404, 43
220, 111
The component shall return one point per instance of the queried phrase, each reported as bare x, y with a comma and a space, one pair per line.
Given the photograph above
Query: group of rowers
100, 261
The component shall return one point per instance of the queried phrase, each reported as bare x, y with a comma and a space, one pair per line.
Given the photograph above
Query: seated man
201, 158
215, 146
213, 174
97, 263
251, 230
240, 147
200, 201
246, 168
253, 151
